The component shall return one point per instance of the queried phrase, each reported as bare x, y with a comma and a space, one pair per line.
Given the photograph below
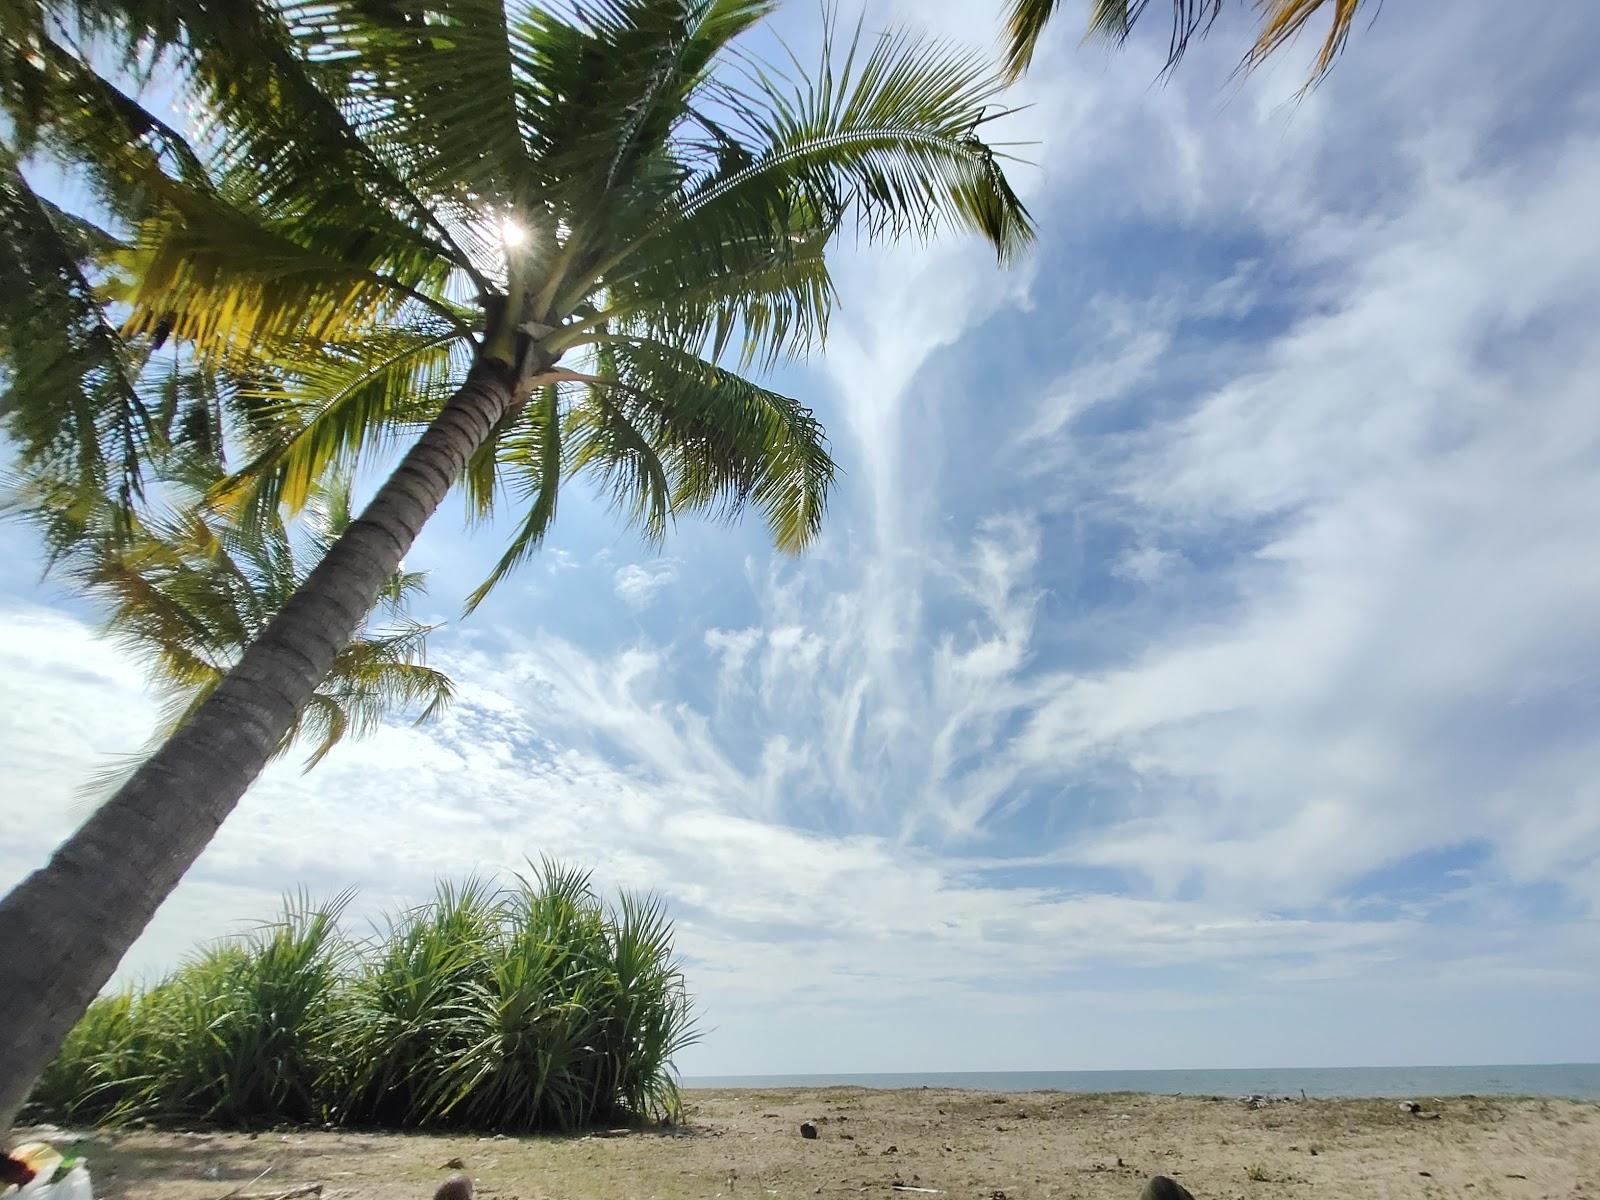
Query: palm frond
188, 591
772, 297
1025, 25
1283, 19
60, 104
291, 115
532, 456
607, 87
891, 143
377, 675
71, 398
887, 143
227, 282
1114, 20
434, 85
330, 404
724, 442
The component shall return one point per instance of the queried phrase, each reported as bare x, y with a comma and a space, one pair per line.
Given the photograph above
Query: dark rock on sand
1159, 1187
457, 1187
807, 1129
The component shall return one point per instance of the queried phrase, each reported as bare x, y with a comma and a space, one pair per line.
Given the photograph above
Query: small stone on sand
1159, 1187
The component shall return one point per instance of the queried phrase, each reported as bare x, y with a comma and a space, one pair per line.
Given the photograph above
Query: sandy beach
742, 1145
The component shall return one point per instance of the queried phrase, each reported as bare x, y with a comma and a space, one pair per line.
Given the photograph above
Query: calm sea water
1577, 1081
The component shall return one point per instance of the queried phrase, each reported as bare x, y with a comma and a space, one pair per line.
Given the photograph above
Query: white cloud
637, 584
73, 705
1145, 564
734, 647
1429, 468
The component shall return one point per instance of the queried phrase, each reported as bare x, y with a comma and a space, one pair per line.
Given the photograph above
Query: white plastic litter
46, 1161
74, 1185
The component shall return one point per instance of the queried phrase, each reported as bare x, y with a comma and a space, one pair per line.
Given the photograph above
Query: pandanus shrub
532, 1007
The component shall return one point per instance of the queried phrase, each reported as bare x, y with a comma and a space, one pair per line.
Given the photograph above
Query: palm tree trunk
64, 929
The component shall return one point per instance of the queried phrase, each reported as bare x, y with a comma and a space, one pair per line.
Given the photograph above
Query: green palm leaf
330, 404
70, 397
724, 442
187, 591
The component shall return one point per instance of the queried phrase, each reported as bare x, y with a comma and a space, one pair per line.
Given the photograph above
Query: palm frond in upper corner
1282, 20
1026, 21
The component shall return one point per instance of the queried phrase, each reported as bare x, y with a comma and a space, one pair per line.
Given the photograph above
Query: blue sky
1200, 664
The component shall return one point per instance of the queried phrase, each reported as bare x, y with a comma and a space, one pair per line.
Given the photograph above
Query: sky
1201, 663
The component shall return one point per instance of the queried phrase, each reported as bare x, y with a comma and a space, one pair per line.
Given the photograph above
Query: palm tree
183, 588
549, 236
187, 592
1281, 20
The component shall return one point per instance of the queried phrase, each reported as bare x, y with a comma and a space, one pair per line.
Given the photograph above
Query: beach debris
997, 1194
1426, 1174
1410, 1106
1159, 1187
808, 1130
453, 1164
906, 1187
1256, 1100
890, 1149
457, 1187
42, 1171
297, 1192
14, 1169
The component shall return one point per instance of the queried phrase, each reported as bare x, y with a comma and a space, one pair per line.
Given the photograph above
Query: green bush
528, 1008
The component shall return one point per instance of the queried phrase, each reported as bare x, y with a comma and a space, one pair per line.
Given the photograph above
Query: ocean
1575, 1081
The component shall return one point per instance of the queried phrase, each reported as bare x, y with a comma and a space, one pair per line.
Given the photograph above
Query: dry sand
742, 1145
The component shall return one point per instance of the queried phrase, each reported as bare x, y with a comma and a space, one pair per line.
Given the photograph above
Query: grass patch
535, 1007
